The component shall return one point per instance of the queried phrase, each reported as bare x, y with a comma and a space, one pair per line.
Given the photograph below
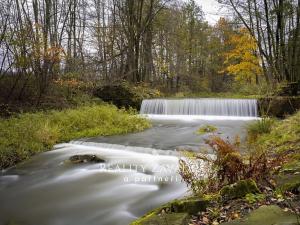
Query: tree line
163, 43
275, 25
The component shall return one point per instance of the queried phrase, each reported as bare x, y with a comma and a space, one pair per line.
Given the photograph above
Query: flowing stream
139, 173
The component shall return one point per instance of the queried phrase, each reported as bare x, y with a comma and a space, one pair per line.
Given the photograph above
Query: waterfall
201, 106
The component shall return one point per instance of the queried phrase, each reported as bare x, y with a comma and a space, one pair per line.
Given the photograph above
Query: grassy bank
267, 185
30, 133
277, 136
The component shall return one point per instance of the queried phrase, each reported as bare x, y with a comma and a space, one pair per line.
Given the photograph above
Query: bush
206, 174
30, 133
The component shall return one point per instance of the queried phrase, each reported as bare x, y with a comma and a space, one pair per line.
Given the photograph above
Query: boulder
267, 215
85, 159
190, 205
239, 190
176, 212
164, 219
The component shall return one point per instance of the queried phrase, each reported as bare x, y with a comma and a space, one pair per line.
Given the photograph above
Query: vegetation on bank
284, 136
26, 134
237, 186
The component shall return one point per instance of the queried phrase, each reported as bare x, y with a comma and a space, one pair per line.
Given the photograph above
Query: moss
288, 182
239, 189
190, 205
179, 208
253, 198
164, 219
267, 215
212, 197
206, 129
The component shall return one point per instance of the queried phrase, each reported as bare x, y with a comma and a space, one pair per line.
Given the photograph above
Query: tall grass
30, 133
259, 127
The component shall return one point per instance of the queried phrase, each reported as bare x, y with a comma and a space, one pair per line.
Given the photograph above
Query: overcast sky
211, 9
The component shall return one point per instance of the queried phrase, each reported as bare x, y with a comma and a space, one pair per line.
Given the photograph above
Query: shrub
206, 174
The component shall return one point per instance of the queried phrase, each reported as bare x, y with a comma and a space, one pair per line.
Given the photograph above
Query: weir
201, 106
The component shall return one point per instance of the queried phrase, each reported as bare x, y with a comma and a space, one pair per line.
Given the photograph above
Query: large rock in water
267, 215
85, 159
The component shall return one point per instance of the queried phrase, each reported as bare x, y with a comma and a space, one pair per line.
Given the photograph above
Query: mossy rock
164, 219
239, 189
85, 159
189, 205
174, 212
288, 182
267, 215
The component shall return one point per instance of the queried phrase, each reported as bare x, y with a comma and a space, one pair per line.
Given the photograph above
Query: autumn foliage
227, 166
242, 60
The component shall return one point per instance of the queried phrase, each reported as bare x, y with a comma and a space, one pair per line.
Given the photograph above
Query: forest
147, 112
163, 44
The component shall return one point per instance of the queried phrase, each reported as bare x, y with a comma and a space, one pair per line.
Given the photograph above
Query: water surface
48, 191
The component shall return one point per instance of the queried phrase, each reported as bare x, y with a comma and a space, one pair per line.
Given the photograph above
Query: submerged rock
239, 190
267, 215
85, 159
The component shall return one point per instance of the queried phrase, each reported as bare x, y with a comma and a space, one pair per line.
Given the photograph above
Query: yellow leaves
68, 83
242, 60
54, 54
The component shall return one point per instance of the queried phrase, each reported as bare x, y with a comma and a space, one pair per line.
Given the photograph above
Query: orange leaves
54, 54
68, 83
242, 60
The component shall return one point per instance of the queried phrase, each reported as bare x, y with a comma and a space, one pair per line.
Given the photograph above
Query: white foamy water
202, 106
132, 181
198, 117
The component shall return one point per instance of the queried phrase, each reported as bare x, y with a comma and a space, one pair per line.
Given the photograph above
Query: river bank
24, 135
245, 202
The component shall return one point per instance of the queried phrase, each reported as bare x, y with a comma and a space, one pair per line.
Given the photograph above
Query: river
140, 173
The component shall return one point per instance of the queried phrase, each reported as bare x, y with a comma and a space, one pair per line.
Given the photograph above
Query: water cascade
201, 106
